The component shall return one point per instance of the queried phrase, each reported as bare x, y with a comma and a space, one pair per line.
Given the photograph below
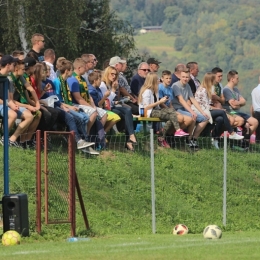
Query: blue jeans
126, 114
220, 118
68, 119
81, 120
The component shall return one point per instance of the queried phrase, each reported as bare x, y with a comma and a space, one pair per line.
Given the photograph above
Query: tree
70, 27
178, 44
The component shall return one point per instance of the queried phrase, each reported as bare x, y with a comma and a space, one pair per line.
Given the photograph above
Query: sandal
129, 146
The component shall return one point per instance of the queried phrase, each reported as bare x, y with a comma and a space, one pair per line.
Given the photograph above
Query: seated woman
94, 79
148, 97
110, 82
203, 97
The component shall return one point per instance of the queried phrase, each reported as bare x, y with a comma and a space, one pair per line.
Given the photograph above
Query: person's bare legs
27, 119
91, 121
199, 128
109, 125
103, 120
186, 121
32, 128
12, 116
238, 121
253, 124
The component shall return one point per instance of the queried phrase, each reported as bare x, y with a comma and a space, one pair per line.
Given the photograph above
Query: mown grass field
156, 42
232, 246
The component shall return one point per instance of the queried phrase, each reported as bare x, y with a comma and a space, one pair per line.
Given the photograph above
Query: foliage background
213, 33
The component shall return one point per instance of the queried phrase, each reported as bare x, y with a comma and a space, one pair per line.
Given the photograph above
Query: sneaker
14, 144
2, 141
162, 142
83, 144
180, 132
235, 136
90, 150
31, 144
215, 143
193, 145
23, 145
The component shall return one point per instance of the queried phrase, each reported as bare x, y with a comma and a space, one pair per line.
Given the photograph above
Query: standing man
153, 64
256, 108
49, 59
194, 71
234, 101
38, 42
139, 78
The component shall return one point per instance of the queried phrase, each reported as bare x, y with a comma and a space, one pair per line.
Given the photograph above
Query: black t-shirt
40, 55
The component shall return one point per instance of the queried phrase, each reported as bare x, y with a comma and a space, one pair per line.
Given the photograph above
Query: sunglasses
145, 70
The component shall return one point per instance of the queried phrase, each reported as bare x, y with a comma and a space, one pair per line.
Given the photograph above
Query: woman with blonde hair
203, 97
148, 97
109, 89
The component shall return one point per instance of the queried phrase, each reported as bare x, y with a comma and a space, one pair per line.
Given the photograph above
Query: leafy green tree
178, 44
90, 27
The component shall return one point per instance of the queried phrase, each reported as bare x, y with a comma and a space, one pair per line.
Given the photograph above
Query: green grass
232, 246
117, 194
156, 42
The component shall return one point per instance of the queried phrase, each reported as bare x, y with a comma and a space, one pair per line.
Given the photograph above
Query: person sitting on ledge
148, 97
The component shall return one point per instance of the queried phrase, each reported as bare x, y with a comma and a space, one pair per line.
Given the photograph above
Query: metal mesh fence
116, 185
57, 178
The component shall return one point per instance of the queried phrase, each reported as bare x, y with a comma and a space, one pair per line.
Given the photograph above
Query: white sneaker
235, 136
215, 143
90, 150
83, 144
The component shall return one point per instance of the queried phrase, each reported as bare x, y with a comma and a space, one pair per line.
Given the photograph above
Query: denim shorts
200, 118
243, 115
19, 112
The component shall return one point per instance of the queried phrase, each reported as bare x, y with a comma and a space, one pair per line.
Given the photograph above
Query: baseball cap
115, 60
8, 59
153, 61
29, 62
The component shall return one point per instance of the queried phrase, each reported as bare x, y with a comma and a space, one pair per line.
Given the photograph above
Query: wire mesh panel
243, 186
59, 177
188, 185
122, 187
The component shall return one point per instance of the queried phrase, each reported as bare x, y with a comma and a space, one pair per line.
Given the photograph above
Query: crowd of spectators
90, 102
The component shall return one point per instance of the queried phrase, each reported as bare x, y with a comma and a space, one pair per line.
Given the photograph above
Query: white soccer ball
180, 229
212, 232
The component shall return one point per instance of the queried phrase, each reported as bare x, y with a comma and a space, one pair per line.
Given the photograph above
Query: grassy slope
116, 191
233, 246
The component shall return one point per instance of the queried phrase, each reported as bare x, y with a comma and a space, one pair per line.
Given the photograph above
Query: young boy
166, 90
99, 100
181, 102
14, 111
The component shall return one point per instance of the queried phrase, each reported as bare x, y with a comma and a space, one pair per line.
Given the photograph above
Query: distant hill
222, 33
